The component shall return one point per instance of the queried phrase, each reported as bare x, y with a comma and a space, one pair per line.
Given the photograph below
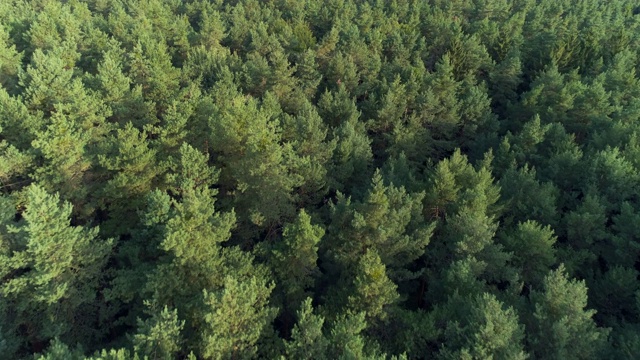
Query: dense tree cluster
302, 179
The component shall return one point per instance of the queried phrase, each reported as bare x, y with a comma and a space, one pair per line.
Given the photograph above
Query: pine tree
307, 74
465, 255
561, 327
337, 108
309, 138
133, 170
14, 164
504, 79
50, 86
373, 292
159, 336
526, 198
613, 293
343, 338
624, 247
440, 110
10, 61
53, 272
237, 317
388, 221
294, 259
192, 235
58, 350
151, 67
586, 231
347, 341
533, 251
64, 162
394, 104
255, 166
127, 104
18, 124
613, 175
307, 338
456, 184
352, 157
489, 332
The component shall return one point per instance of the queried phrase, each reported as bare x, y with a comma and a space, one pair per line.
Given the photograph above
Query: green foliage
307, 339
132, 167
388, 221
10, 61
403, 175
64, 164
51, 270
237, 317
294, 259
159, 336
255, 170
57, 350
526, 198
309, 138
561, 325
533, 251
342, 339
489, 331
13, 164
372, 291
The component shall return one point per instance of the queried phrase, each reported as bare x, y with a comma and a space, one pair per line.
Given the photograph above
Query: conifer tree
50, 86
64, 163
623, 250
309, 138
307, 74
440, 110
562, 327
18, 124
504, 79
351, 157
51, 272
294, 259
388, 221
307, 339
342, 338
526, 198
133, 170
192, 235
614, 295
127, 104
151, 67
58, 350
373, 292
10, 60
159, 336
533, 251
585, 232
489, 332
255, 172
14, 164
237, 317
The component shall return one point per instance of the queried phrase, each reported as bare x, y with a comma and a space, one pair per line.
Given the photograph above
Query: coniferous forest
303, 179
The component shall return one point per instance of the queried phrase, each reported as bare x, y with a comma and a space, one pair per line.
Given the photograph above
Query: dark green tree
51, 272
562, 327
533, 251
294, 260
487, 331
159, 336
237, 317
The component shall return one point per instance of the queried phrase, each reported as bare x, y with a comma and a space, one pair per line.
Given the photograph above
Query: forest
304, 179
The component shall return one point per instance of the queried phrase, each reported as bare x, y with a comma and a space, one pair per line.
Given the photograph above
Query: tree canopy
337, 179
